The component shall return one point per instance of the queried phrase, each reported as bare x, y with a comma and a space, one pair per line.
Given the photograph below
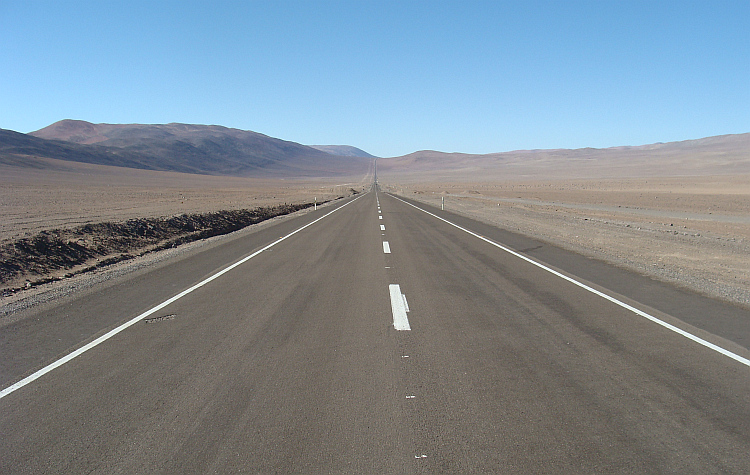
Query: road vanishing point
377, 335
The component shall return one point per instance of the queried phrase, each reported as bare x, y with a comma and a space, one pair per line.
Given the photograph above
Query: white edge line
643, 314
400, 320
41, 372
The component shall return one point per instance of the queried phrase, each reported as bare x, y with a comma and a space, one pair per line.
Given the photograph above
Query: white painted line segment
400, 321
641, 313
145, 314
380, 217
386, 247
382, 227
406, 304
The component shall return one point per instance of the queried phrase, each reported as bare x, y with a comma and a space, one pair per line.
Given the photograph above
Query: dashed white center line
382, 227
400, 321
380, 217
386, 247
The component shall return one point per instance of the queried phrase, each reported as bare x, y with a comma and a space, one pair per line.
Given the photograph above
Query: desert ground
693, 231
68, 194
675, 212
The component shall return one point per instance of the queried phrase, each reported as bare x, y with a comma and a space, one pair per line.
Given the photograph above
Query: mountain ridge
704, 141
187, 148
721, 154
219, 150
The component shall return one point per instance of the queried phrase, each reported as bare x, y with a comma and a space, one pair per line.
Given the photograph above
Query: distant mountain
722, 154
216, 150
343, 150
18, 149
202, 149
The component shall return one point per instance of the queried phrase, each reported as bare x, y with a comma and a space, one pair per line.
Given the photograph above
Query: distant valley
343, 150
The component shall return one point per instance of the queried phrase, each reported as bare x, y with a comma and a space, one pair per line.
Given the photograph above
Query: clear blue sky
388, 77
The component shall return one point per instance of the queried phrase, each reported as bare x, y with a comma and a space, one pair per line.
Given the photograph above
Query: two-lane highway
376, 338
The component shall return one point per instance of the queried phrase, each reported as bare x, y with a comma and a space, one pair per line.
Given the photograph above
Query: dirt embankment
53, 254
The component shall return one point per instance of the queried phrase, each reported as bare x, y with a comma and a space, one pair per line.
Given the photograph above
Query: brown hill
24, 150
187, 148
719, 155
77, 131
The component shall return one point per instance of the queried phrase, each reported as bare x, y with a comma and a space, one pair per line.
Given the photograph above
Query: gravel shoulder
14, 305
58, 201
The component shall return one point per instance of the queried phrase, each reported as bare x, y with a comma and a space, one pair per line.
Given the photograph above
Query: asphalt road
293, 362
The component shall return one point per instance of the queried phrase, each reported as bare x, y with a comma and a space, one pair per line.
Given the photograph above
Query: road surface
378, 336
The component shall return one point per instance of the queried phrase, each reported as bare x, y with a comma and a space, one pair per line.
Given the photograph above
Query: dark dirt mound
96, 245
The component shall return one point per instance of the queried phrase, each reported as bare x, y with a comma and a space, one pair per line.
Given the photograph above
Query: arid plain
68, 194
676, 212
64, 195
